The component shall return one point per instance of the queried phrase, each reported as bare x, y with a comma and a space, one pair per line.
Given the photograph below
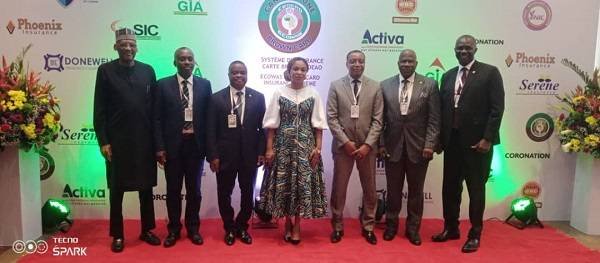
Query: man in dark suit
472, 107
180, 108
411, 133
123, 125
236, 147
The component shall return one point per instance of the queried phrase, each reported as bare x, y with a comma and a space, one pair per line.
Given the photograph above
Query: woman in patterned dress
295, 119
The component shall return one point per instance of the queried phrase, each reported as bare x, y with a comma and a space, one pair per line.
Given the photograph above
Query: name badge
404, 108
354, 111
231, 121
188, 115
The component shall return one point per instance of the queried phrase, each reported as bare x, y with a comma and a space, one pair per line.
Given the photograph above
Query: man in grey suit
354, 115
411, 134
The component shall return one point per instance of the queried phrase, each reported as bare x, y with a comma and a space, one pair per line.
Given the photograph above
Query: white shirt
457, 83
272, 116
233, 96
404, 97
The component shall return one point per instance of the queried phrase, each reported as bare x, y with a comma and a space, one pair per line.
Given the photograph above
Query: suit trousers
395, 172
462, 163
246, 177
342, 169
188, 165
116, 211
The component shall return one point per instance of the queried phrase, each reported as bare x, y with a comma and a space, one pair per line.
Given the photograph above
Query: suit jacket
480, 106
420, 127
365, 129
240, 145
169, 118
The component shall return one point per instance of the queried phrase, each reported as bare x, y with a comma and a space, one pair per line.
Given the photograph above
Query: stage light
524, 210
56, 215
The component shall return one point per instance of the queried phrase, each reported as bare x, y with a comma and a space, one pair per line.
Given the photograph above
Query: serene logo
537, 15
436, 70
523, 60
532, 189
289, 26
541, 86
30, 246
10, 27
382, 41
27, 27
46, 165
82, 136
64, 3
59, 62
142, 31
188, 7
539, 127
489, 42
405, 8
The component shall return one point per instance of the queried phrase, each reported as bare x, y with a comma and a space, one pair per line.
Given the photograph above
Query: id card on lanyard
355, 108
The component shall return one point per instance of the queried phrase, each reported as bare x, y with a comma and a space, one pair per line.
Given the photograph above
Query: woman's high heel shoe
296, 229
287, 237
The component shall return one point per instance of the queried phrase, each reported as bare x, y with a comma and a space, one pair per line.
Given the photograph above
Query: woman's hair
293, 60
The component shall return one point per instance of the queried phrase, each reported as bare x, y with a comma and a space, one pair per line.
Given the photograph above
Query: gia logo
539, 127
289, 26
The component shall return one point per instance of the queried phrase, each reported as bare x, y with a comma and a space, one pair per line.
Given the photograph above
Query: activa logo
382, 39
83, 136
83, 192
142, 31
190, 8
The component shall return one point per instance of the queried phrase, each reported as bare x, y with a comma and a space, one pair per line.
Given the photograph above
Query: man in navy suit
472, 107
236, 147
180, 108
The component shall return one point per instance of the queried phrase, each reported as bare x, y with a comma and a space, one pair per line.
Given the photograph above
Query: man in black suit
411, 133
180, 109
472, 108
236, 147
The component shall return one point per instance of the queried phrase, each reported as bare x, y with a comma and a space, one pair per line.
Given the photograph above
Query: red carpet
500, 243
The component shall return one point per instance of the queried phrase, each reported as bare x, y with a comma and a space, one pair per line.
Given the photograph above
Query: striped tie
185, 103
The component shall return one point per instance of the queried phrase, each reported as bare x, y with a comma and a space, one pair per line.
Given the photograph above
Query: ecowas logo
190, 8
289, 26
84, 195
82, 136
59, 62
405, 8
27, 27
539, 127
543, 85
382, 42
524, 60
537, 15
142, 31
47, 165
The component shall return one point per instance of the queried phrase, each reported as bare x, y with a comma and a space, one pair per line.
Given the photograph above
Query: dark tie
461, 84
185, 103
355, 88
403, 93
237, 103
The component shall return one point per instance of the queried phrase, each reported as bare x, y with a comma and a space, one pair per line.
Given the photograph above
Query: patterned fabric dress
292, 186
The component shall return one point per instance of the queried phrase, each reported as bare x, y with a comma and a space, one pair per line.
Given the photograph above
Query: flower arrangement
29, 113
579, 128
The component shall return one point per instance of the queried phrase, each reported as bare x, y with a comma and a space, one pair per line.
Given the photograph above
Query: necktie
404, 92
237, 103
355, 88
185, 103
461, 84
463, 79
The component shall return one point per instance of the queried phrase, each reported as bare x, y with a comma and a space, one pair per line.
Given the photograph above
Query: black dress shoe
150, 238
389, 234
171, 239
370, 237
196, 239
445, 236
244, 236
336, 236
118, 244
414, 238
471, 245
229, 238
